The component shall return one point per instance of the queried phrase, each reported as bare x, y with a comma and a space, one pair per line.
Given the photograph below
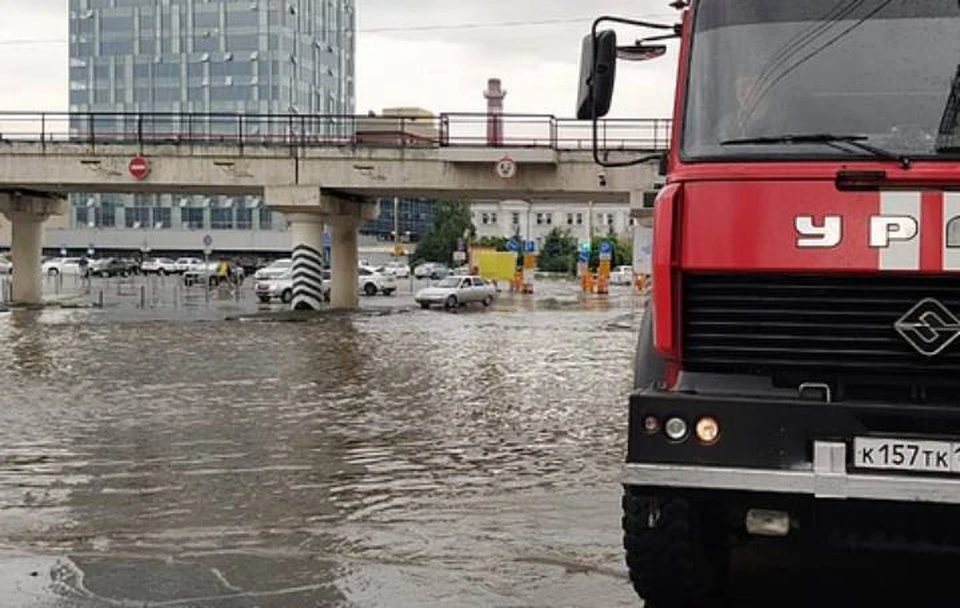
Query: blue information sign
531, 246
605, 247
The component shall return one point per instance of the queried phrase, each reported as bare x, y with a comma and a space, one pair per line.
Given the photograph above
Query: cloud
443, 69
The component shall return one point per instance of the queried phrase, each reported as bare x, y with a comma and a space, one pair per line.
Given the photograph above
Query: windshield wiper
827, 139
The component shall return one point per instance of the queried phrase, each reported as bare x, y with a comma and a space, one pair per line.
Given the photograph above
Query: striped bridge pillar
307, 232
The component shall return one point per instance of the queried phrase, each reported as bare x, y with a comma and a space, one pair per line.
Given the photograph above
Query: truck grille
819, 326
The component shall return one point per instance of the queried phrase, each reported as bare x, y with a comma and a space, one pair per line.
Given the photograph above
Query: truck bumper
786, 447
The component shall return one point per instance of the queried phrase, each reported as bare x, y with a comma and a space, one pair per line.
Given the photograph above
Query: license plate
906, 455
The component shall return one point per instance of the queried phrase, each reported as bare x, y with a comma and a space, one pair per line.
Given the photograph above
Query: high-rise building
200, 56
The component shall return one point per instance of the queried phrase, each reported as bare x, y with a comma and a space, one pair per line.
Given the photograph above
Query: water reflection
345, 460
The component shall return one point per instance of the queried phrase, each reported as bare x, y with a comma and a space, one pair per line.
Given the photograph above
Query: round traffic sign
207, 240
506, 167
138, 167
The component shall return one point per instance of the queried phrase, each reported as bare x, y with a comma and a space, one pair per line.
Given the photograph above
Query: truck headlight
675, 428
707, 429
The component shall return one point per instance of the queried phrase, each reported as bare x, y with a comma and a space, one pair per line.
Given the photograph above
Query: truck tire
648, 366
677, 552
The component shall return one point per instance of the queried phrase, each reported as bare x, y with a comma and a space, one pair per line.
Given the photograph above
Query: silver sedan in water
452, 292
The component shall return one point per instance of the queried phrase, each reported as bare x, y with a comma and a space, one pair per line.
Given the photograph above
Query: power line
410, 28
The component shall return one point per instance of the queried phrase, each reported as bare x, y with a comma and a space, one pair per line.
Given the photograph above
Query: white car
64, 266
189, 264
371, 282
397, 269
160, 266
431, 270
281, 288
274, 270
621, 275
455, 291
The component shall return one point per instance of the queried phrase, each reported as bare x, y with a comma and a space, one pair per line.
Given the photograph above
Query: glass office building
201, 56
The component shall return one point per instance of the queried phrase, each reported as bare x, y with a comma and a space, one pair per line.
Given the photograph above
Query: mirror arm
659, 156
675, 32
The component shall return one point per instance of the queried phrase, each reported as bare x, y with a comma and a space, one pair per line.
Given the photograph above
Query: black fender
649, 367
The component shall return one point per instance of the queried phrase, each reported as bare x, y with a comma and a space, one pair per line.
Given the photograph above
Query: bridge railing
300, 130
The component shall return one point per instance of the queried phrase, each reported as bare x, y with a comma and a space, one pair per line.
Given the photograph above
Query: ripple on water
207, 437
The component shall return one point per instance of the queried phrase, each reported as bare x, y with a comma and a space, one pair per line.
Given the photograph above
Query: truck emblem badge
929, 327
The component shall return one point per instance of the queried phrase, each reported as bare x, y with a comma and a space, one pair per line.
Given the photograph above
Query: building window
545, 218
266, 218
579, 219
493, 218
82, 213
137, 217
221, 218
514, 219
609, 219
162, 217
192, 218
539, 219
484, 218
569, 219
244, 218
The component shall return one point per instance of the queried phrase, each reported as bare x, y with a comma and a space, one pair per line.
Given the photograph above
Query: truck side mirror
598, 61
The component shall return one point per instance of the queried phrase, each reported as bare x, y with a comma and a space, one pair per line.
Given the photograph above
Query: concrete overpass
316, 170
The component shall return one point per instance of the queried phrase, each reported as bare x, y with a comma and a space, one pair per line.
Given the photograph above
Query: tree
558, 253
498, 243
622, 254
451, 220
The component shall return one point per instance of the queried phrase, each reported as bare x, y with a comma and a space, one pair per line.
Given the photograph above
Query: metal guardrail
314, 130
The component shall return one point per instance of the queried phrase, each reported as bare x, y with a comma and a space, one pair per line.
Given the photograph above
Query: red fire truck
798, 369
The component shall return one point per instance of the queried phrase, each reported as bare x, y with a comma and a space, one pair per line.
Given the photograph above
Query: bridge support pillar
308, 209
27, 211
344, 256
307, 232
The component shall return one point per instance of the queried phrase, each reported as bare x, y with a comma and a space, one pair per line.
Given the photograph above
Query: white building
534, 220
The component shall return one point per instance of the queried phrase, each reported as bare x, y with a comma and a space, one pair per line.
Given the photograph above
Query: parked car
274, 270
182, 265
281, 288
160, 266
455, 291
397, 269
109, 267
431, 270
371, 282
65, 266
621, 275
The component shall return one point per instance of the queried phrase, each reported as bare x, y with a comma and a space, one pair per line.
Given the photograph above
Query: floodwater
392, 458
410, 459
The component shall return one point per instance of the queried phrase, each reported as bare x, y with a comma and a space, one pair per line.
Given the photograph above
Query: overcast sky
443, 69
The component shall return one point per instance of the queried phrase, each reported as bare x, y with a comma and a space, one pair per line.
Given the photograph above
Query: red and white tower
494, 95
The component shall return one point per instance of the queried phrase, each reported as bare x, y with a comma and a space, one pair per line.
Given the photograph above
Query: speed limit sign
506, 167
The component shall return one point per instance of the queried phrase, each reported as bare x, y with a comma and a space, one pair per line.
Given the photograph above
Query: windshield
878, 68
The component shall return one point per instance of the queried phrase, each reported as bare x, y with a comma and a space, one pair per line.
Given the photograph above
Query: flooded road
415, 459
392, 458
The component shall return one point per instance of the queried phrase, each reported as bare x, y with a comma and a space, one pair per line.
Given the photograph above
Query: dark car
112, 267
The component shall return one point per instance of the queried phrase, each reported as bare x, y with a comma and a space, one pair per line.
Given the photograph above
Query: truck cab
798, 368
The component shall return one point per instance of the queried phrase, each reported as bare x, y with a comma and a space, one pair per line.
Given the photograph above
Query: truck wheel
648, 366
287, 296
677, 552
